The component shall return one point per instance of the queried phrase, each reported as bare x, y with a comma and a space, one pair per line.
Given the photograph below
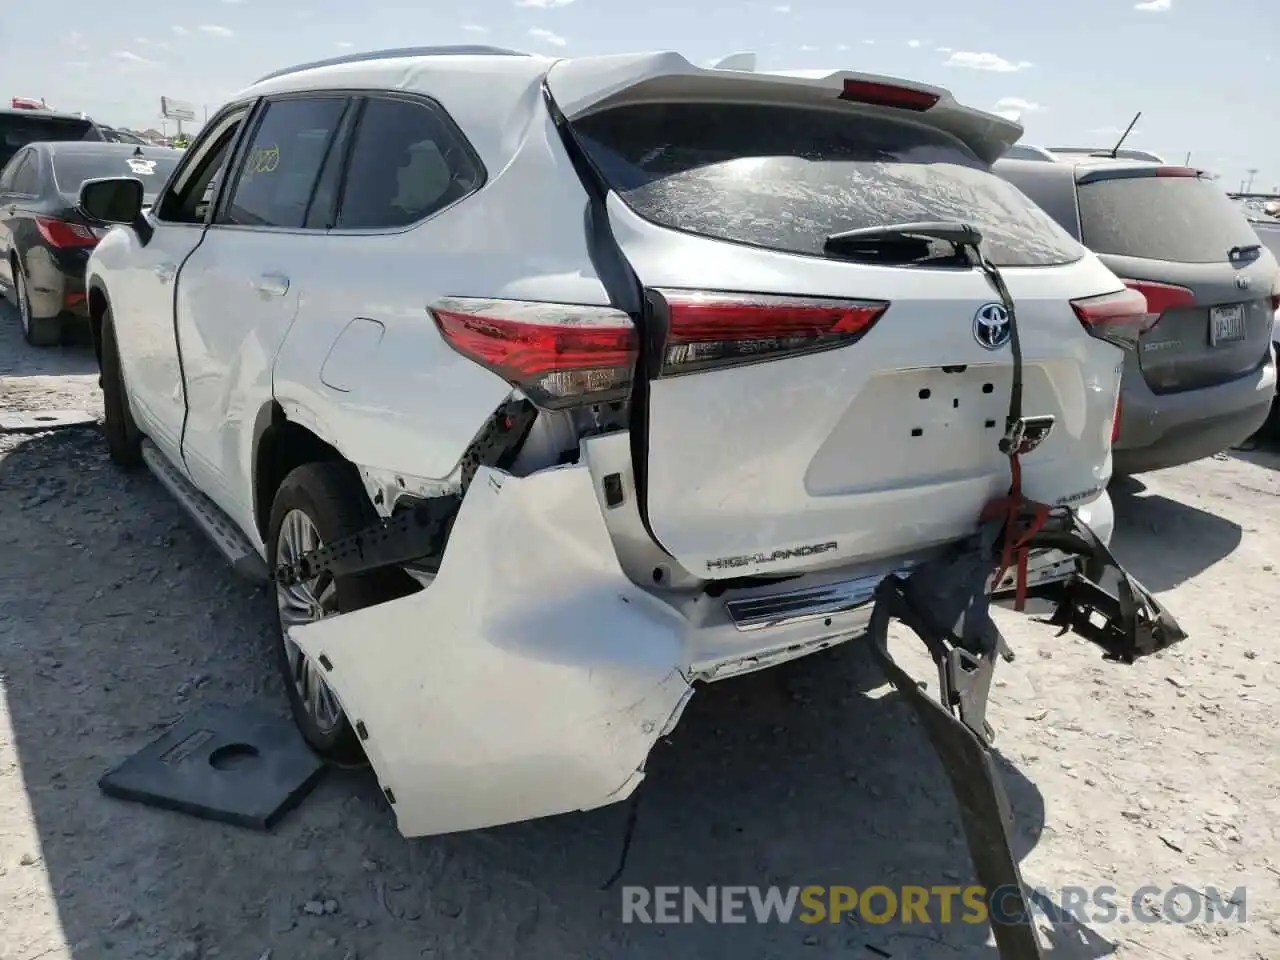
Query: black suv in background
20, 127
1203, 376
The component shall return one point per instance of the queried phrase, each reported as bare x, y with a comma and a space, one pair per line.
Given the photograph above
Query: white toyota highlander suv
634, 374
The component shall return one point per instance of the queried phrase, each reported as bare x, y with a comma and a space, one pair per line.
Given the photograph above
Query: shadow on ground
1165, 542
116, 618
17, 359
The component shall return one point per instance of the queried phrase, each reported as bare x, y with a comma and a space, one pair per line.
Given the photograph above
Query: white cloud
842, 46
985, 61
216, 31
141, 41
344, 44
869, 43
543, 4
546, 36
474, 28
782, 8
913, 43
806, 48
129, 57
944, 49
1154, 6
1017, 103
76, 41
181, 31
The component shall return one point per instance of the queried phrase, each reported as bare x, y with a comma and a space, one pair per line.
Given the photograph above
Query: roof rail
461, 50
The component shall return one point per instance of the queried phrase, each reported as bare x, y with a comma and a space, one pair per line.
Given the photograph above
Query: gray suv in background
1203, 375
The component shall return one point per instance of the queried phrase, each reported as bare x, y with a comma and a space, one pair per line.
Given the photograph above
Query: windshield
16, 131
72, 169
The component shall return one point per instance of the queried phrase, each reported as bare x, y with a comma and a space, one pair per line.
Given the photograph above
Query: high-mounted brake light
1177, 172
1119, 318
60, 233
707, 330
888, 95
560, 355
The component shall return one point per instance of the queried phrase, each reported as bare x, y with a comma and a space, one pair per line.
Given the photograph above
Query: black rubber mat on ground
235, 766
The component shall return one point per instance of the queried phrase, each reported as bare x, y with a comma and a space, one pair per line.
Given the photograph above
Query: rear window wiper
903, 242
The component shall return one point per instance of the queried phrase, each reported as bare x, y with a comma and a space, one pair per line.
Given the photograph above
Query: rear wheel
124, 441
37, 331
316, 504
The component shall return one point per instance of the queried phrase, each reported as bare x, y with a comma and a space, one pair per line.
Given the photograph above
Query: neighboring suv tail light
60, 233
1115, 420
560, 355
1119, 318
708, 330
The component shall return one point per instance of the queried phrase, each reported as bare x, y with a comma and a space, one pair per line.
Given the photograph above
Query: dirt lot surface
116, 618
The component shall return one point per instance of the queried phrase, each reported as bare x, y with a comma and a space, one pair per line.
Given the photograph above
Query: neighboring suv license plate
1226, 324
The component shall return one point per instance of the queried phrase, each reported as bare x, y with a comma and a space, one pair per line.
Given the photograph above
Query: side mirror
115, 200
112, 200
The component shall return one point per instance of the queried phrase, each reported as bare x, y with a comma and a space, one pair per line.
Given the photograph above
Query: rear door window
1183, 219
278, 172
786, 178
26, 179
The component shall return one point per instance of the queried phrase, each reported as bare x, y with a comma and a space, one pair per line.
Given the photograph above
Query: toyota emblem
991, 326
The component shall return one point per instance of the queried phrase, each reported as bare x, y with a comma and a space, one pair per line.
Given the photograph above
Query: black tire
124, 441
37, 331
332, 497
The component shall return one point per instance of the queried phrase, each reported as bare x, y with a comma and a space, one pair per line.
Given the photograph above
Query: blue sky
1205, 73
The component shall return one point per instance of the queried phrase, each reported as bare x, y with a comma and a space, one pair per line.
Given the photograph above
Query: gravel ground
116, 618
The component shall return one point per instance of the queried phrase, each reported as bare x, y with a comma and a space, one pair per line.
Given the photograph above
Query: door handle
272, 284
165, 272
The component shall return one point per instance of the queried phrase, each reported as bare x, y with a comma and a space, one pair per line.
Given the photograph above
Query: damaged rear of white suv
689, 362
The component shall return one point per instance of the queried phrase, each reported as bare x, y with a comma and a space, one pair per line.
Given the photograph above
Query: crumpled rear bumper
533, 676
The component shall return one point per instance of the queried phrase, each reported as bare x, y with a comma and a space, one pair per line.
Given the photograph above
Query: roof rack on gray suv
460, 50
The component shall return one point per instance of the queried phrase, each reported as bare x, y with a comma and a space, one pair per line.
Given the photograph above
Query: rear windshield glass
17, 131
72, 169
787, 178
1182, 219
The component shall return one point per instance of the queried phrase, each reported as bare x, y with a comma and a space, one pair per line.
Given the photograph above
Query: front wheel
124, 440
316, 504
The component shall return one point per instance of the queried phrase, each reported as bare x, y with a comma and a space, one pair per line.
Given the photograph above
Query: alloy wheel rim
305, 603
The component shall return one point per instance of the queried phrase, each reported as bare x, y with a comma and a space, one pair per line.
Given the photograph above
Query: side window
407, 162
10, 169
26, 178
195, 183
276, 178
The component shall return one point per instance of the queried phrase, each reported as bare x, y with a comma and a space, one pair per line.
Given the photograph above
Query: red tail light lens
1115, 421
1177, 172
1162, 297
1119, 318
888, 95
709, 331
560, 355
60, 233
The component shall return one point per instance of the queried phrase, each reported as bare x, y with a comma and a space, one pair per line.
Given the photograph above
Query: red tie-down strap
1023, 519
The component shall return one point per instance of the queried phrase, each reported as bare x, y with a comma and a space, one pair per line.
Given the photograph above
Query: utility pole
1249, 186
1187, 162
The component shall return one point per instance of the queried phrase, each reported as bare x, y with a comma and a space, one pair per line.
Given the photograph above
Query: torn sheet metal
531, 678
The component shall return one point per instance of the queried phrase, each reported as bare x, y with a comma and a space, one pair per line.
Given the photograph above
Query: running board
231, 543
832, 599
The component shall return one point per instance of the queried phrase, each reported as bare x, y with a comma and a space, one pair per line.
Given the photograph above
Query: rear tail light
1115, 420
1119, 318
888, 95
60, 233
709, 331
560, 355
